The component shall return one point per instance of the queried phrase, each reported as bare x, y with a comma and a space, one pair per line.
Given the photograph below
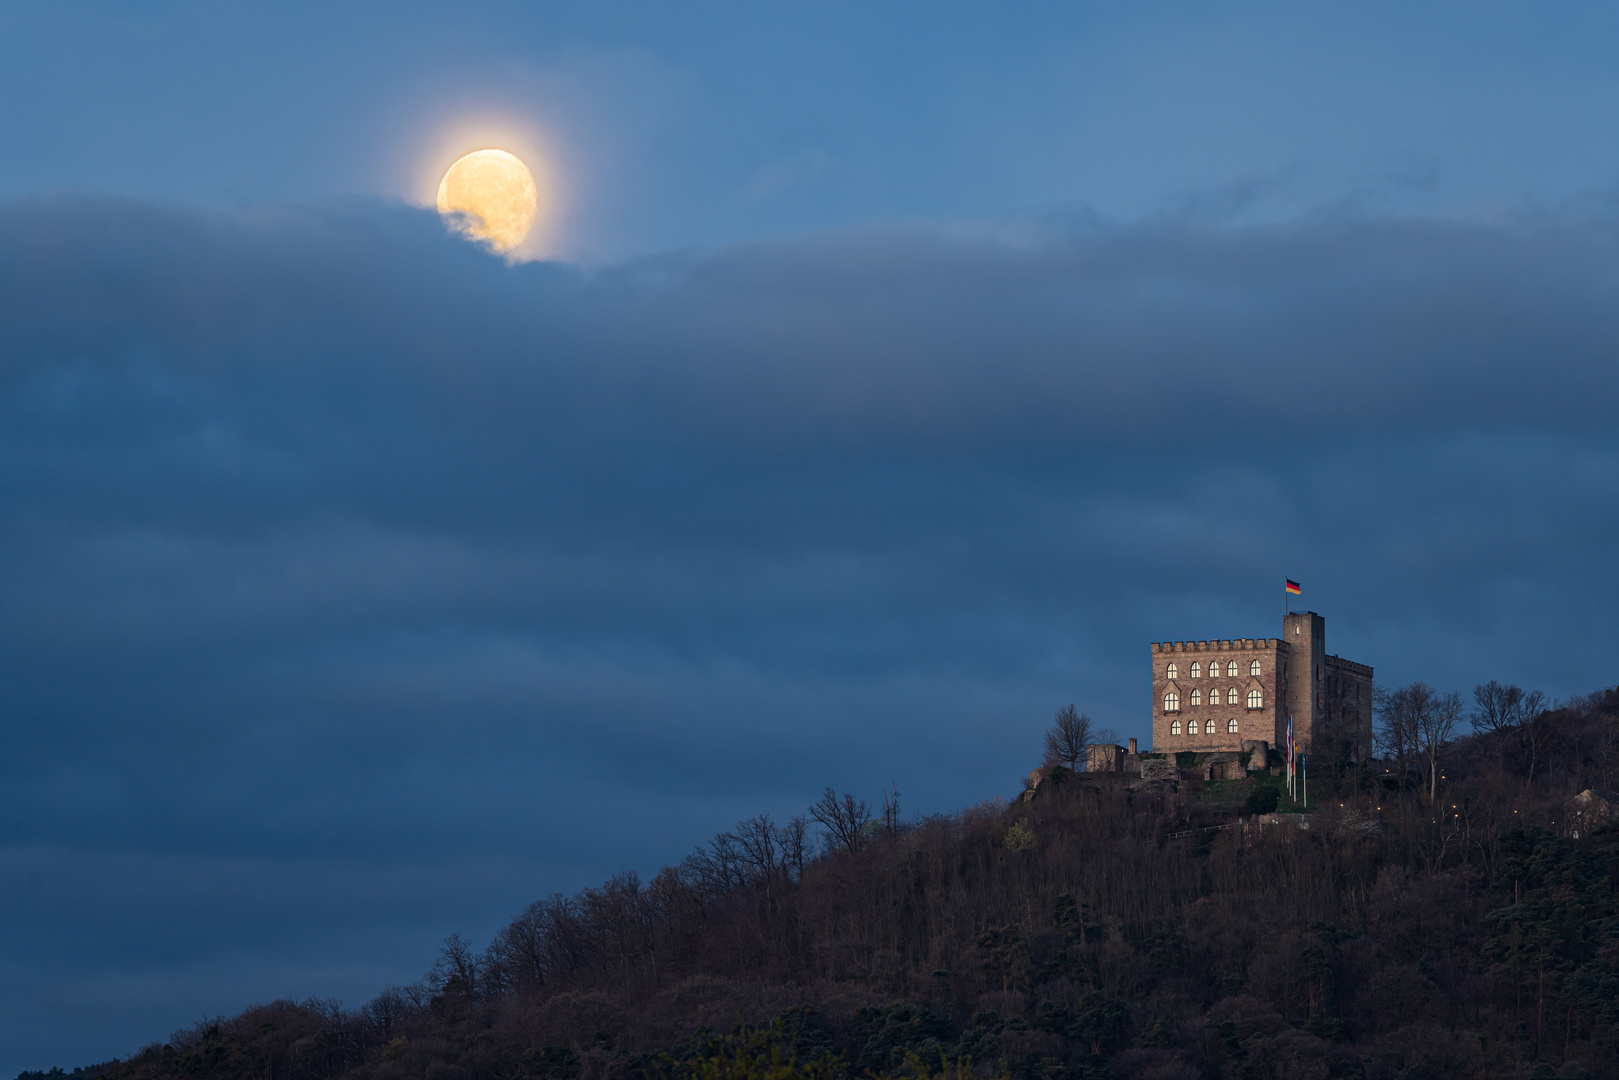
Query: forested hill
1101, 928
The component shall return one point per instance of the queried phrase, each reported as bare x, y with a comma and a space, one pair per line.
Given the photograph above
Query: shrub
1263, 800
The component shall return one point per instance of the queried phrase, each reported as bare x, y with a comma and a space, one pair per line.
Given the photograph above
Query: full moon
489, 196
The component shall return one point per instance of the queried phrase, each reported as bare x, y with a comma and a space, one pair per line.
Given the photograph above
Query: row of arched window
1256, 699
1208, 727
1231, 669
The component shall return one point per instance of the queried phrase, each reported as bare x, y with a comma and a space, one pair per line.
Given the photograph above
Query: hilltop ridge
1099, 927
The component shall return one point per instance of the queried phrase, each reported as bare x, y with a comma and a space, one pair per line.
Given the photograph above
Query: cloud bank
361, 588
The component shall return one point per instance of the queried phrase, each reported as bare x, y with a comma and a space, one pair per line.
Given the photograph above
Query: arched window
1231, 726
1172, 702
1253, 668
1256, 700
1169, 672
1208, 728
1231, 696
1197, 696
1174, 727
1231, 669
1197, 670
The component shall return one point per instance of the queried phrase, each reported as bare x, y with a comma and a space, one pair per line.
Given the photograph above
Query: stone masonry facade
1212, 696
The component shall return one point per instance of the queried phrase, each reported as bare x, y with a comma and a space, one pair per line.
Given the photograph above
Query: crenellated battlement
1350, 666
1223, 645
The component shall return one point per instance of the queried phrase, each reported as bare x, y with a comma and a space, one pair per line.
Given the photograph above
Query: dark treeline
1436, 922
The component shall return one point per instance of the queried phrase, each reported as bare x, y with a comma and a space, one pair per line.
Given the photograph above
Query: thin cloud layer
344, 563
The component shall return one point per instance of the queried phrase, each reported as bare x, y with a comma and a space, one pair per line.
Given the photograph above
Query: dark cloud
360, 588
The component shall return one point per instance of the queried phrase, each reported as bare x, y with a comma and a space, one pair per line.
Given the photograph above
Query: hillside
1096, 929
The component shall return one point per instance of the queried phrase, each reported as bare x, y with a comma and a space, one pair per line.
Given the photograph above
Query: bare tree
719, 868
1435, 716
1535, 729
1525, 714
843, 816
794, 840
391, 1008
455, 973
759, 843
1495, 714
1419, 721
1397, 735
1532, 704
891, 809
1495, 708
1067, 738
1610, 750
1502, 710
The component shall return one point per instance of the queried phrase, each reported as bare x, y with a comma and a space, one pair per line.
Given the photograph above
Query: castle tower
1306, 635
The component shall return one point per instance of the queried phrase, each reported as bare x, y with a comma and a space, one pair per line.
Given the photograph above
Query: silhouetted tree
1397, 732
1420, 721
843, 817
1499, 710
455, 973
1534, 734
1067, 738
759, 843
891, 809
1434, 716
1495, 707
794, 838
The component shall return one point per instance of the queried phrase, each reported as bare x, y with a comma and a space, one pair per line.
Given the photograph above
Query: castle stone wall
1173, 664
1329, 698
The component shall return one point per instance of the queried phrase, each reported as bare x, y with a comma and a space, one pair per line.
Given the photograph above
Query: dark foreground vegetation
1098, 929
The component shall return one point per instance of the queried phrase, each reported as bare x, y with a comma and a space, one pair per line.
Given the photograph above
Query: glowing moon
489, 196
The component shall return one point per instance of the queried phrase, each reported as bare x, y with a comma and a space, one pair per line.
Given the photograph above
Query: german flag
1293, 587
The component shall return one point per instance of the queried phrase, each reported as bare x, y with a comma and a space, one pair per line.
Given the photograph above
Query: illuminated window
1256, 700
1197, 669
1172, 702
1231, 726
1174, 727
1197, 697
1231, 669
1169, 672
1231, 696
1253, 668
1208, 728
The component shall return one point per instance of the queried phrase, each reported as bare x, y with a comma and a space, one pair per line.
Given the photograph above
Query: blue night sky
886, 378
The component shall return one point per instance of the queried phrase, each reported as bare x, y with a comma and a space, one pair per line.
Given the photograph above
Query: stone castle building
1219, 695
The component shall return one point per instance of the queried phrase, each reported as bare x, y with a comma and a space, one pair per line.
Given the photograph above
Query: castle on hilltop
1237, 694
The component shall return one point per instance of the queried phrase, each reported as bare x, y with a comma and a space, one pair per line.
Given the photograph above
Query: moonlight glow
489, 196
